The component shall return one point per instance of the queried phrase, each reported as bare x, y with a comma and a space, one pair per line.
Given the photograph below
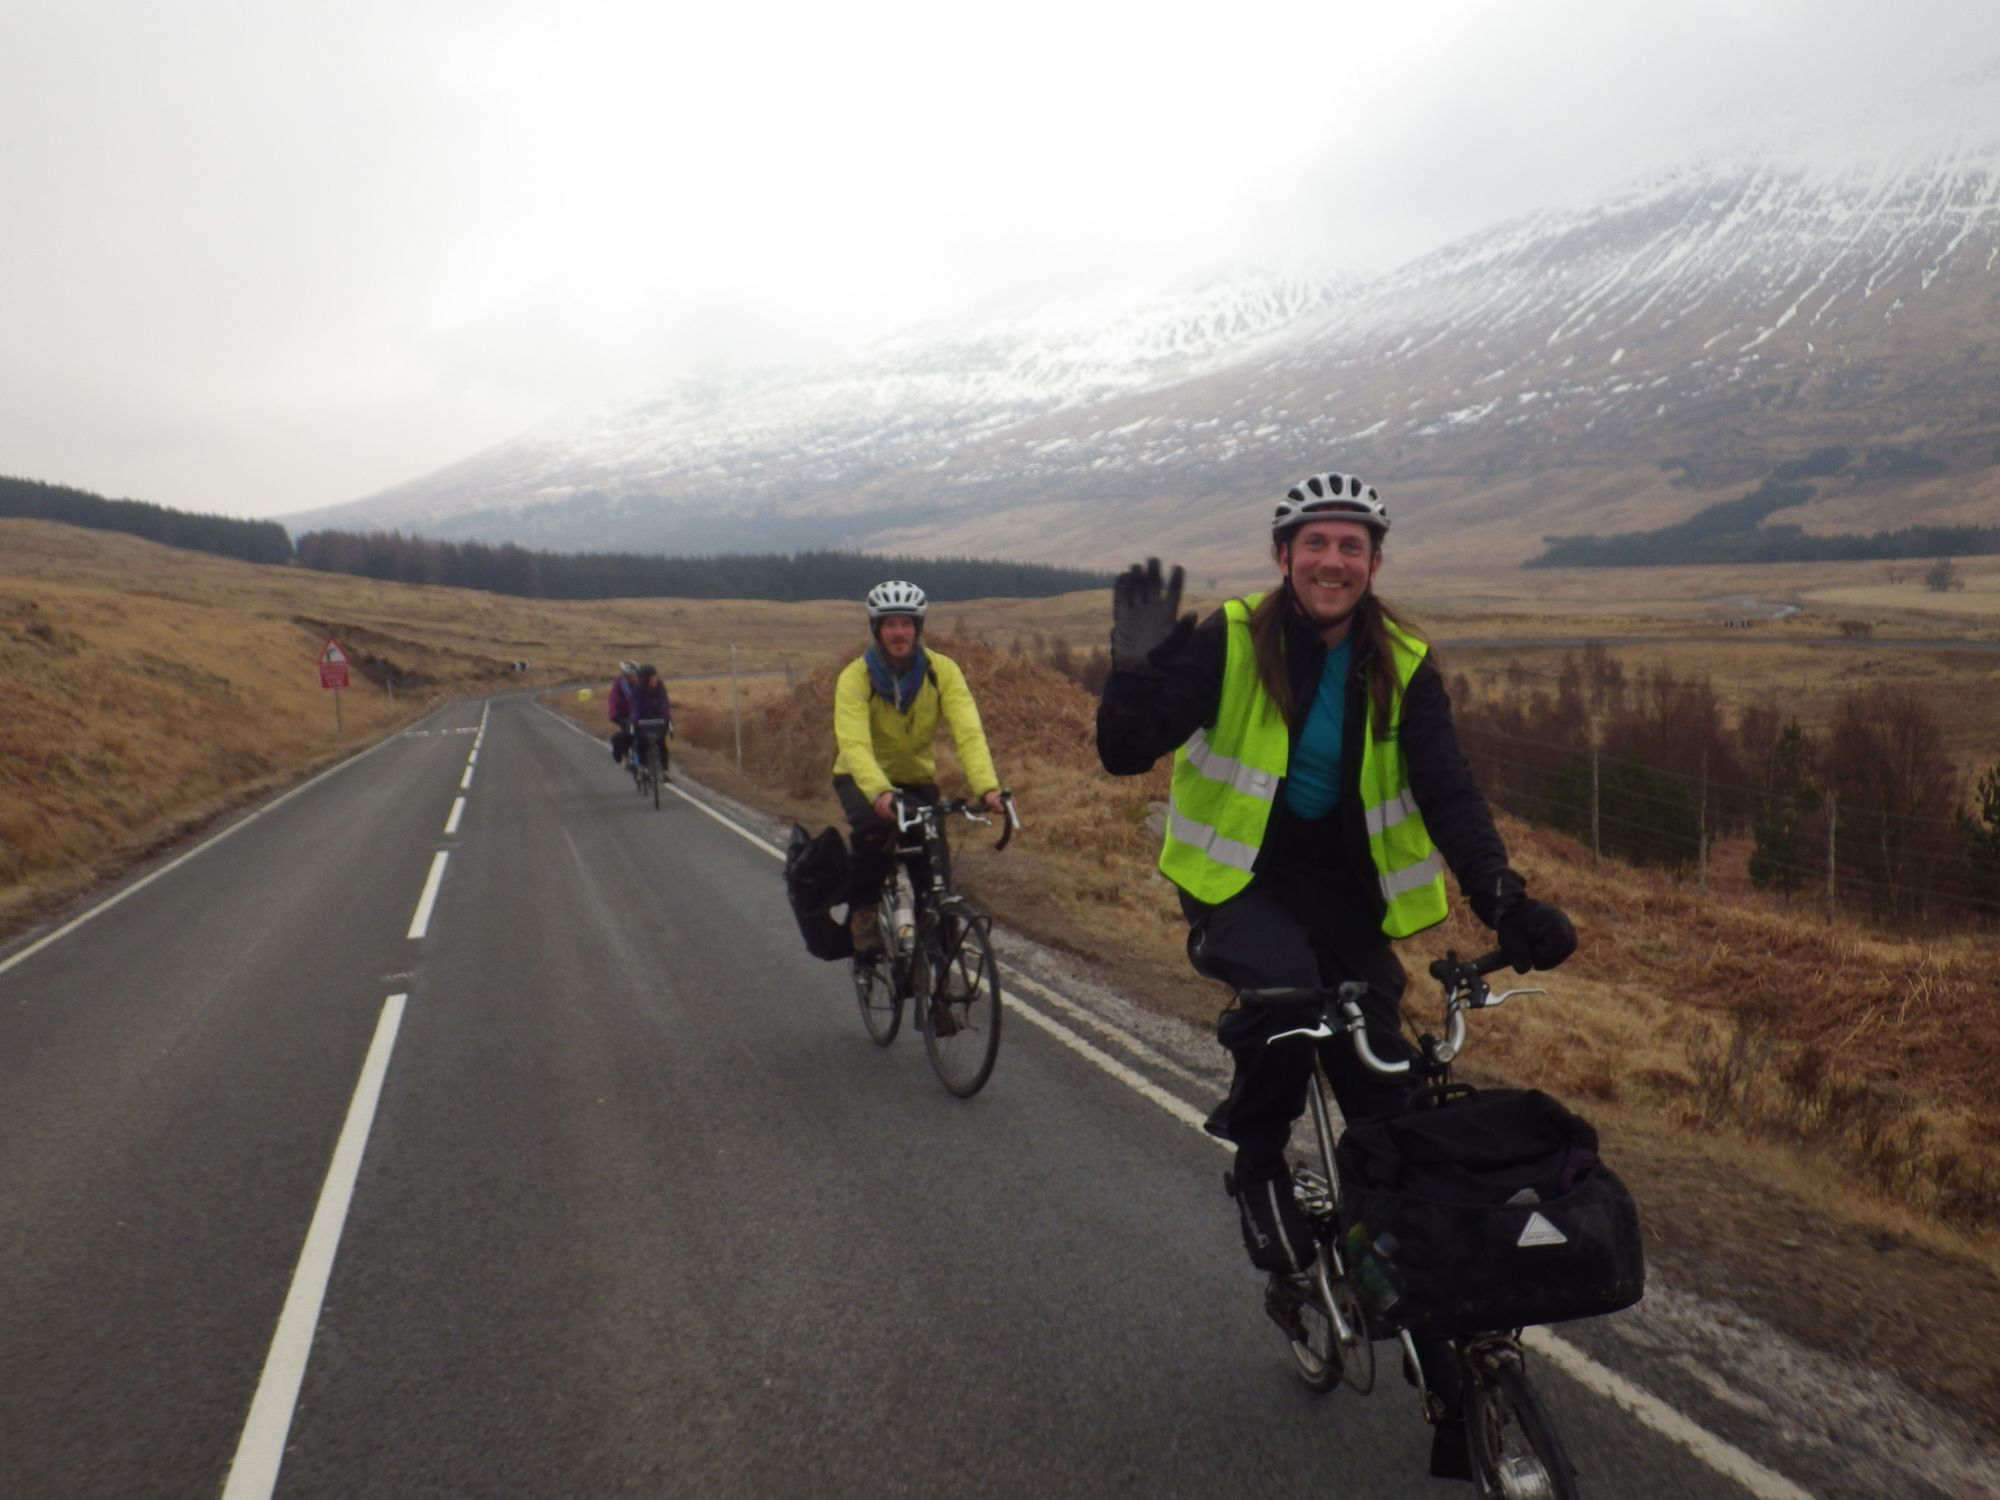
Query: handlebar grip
1443, 968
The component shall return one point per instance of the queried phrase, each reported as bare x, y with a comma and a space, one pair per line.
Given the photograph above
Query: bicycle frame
1464, 990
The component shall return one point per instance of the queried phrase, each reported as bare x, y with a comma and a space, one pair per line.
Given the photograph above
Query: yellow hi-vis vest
1226, 779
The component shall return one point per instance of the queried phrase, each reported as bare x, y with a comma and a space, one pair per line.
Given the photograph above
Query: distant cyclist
620, 707
648, 700
1318, 793
886, 708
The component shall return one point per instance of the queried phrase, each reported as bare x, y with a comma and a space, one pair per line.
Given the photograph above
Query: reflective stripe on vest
1226, 779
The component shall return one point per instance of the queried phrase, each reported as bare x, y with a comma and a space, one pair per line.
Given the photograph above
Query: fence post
1701, 823
735, 713
1596, 840
1832, 845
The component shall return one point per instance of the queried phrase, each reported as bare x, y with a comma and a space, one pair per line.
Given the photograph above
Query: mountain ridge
1531, 378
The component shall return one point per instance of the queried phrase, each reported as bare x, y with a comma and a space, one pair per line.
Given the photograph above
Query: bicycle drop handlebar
915, 814
1464, 987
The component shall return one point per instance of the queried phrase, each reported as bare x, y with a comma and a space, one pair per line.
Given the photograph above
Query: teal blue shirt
1312, 783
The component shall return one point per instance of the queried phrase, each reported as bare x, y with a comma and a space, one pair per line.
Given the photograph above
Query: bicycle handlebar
927, 812
1464, 989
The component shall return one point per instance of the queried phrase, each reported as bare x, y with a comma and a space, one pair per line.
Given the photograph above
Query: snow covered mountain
707, 464
1588, 369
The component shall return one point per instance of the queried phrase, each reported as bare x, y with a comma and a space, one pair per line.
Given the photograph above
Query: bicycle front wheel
654, 771
881, 1006
956, 982
1516, 1454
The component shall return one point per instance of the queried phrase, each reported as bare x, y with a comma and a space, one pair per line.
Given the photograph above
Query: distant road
607, 1193
1730, 638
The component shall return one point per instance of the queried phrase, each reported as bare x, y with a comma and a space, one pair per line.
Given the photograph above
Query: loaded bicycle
1364, 1286
937, 950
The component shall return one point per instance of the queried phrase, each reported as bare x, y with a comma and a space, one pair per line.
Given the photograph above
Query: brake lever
1013, 820
1504, 996
1319, 1033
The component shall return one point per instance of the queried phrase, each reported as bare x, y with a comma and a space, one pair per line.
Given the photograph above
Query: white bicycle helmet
627, 668
1330, 497
896, 598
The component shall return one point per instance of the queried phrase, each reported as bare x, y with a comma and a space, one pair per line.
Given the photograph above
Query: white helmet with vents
1330, 497
896, 598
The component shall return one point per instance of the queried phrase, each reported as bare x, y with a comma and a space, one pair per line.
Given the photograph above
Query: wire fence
1853, 856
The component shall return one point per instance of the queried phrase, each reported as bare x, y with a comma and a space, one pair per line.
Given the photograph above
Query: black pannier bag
1491, 1211
815, 881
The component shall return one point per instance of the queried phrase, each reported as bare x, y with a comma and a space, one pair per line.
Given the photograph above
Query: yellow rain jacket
881, 748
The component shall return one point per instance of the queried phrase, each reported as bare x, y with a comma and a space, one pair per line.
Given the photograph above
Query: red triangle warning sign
332, 653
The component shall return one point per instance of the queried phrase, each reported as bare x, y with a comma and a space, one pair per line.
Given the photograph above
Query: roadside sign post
735, 713
333, 677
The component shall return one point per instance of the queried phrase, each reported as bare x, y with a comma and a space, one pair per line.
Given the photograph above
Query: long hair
1371, 647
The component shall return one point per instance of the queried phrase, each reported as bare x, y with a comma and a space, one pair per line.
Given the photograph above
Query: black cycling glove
1534, 935
1144, 607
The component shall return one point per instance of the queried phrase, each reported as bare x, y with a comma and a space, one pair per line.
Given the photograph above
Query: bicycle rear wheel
1516, 1454
956, 983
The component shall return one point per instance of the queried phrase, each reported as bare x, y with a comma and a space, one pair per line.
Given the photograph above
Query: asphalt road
640, 1211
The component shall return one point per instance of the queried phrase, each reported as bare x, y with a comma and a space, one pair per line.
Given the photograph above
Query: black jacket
1151, 712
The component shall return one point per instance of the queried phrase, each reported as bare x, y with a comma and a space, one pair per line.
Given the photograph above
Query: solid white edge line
457, 812
1173, 1104
209, 843
1720, 1455
1725, 1458
421, 922
465, 781
253, 1473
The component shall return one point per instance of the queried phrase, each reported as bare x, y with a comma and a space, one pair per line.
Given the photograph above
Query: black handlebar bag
816, 881
1490, 1211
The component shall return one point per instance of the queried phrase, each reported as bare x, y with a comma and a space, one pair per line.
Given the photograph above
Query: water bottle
904, 916
1365, 1260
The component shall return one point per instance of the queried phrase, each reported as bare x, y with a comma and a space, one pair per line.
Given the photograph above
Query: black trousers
1286, 930
872, 840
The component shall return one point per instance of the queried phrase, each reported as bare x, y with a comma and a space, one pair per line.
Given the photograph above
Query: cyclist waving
886, 708
1318, 793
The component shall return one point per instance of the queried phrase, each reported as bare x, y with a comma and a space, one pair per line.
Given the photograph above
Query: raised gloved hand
1534, 935
1146, 616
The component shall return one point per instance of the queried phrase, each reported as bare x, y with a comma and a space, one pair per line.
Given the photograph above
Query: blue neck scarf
901, 691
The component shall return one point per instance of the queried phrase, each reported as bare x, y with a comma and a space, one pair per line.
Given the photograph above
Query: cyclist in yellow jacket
886, 708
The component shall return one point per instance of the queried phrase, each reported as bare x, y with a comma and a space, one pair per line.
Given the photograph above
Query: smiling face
1330, 565
898, 635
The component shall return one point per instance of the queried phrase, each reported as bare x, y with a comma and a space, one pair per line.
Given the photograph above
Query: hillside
1617, 366
147, 690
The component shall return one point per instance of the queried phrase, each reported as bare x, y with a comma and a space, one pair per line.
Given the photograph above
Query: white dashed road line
1720, 1455
421, 922
457, 812
253, 1474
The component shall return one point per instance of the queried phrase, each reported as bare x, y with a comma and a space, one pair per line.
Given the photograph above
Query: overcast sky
257, 256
